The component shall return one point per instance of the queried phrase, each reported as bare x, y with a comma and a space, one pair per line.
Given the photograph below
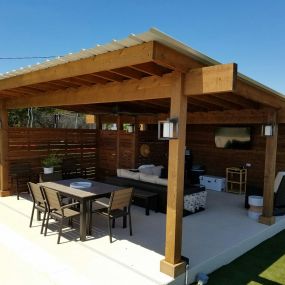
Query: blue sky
250, 33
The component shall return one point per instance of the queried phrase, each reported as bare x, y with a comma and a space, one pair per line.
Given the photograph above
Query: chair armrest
69, 205
103, 202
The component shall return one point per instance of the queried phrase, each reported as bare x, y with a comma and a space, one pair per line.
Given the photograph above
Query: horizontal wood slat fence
32, 145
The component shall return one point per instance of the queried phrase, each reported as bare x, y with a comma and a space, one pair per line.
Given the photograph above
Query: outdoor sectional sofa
194, 195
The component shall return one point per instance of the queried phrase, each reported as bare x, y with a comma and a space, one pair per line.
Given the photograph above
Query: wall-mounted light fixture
267, 130
168, 129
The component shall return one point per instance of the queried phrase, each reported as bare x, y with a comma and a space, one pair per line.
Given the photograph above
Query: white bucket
256, 205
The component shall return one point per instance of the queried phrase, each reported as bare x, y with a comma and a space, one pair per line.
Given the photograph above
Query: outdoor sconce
168, 129
267, 130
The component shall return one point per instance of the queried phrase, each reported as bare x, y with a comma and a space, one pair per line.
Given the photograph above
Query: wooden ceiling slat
191, 108
218, 102
60, 85
69, 82
94, 79
151, 68
234, 98
202, 104
111, 76
129, 72
82, 81
32, 89
45, 86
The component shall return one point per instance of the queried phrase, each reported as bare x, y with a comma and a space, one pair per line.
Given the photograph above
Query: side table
236, 179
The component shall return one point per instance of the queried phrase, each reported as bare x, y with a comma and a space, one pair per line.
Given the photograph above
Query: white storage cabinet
215, 183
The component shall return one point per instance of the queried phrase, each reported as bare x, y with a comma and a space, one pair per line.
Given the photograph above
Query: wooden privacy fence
32, 145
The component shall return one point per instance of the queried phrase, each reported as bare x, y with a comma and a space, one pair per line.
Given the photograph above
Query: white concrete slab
210, 239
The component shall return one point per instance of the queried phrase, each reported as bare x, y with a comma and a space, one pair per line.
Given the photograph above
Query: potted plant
50, 162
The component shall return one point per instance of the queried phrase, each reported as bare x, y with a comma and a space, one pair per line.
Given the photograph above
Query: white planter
48, 170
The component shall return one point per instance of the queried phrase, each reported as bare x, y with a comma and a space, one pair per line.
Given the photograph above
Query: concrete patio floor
210, 239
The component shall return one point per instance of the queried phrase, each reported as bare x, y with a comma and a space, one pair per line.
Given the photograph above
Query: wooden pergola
156, 77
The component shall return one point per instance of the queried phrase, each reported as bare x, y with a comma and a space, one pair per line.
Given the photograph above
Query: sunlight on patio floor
210, 239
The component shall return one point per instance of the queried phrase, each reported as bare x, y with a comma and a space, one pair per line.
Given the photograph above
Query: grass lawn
265, 264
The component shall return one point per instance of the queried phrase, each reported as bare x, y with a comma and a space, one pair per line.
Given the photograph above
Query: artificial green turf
264, 264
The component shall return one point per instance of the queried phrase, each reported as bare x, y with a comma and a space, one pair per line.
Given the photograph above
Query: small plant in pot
50, 162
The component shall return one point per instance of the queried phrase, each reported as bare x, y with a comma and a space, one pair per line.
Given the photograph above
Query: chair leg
130, 224
90, 223
110, 229
47, 223
17, 190
113, 223
32, 215
43, 222
59, 230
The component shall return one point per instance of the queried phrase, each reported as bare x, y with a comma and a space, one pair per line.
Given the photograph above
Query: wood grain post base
267, 220
6, 193
172, 270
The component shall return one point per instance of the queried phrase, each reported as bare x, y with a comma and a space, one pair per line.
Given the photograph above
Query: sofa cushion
146, 170
157, 170
128, 174
145, 166
148, 178
161, 181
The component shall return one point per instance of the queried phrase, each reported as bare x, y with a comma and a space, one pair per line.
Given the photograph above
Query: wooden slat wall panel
158, 148
201, 140
127, 150
33, 145
107, 153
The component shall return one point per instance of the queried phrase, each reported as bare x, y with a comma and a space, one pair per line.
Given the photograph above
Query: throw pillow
157, 170
146, 170
145, 166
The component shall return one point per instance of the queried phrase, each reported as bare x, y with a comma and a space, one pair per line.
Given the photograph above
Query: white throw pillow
161, 181
130, 174
146, 170
157, 170
119, 172
148, 178
145, 166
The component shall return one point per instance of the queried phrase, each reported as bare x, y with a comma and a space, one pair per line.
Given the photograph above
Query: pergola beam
212, 79
254, 93
131, 90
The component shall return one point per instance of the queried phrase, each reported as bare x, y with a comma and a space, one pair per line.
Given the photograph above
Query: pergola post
4, 191
172, 264
269, 173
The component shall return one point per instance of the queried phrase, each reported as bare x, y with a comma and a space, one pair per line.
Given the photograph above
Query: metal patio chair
57, 210
39, 202
117, 206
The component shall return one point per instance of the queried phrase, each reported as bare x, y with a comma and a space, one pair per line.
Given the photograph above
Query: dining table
83, 195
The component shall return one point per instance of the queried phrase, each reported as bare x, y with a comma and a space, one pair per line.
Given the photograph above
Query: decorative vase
48, 170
